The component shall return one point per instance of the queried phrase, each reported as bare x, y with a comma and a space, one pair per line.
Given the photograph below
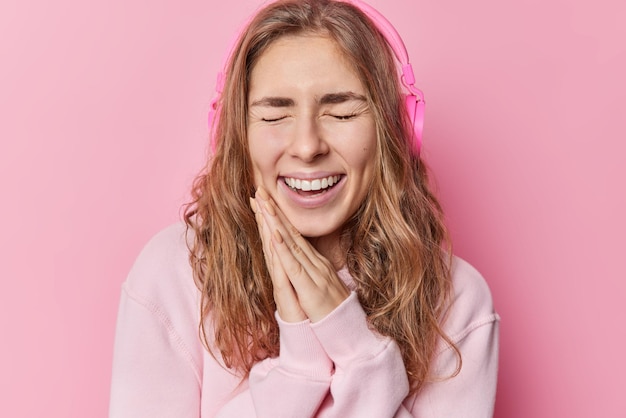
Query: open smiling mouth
312, 187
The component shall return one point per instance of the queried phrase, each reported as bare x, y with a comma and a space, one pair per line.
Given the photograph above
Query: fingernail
279, 238
262, 193
270, 208
253, 205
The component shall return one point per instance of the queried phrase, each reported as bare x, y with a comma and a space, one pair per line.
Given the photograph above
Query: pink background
103, 126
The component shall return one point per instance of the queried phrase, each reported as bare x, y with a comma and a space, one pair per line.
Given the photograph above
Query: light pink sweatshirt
336, 367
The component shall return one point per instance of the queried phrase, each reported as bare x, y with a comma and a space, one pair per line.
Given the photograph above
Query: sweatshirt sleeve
370, 378
293, 384
337, 367
157, 359
473, 326
153, 372
471, 393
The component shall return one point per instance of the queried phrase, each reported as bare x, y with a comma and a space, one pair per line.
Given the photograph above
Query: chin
312, 230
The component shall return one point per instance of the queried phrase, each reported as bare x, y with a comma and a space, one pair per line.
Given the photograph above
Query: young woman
313, 276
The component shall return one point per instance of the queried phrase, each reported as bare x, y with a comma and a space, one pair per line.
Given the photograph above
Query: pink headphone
414, 99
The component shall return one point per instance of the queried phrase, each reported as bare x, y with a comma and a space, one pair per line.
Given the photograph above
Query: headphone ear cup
415, 110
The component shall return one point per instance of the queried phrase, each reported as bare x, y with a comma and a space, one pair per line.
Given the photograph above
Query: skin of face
309, 124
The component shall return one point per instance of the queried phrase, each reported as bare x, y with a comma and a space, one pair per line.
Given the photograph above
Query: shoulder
157, 326
471, 302
162, 272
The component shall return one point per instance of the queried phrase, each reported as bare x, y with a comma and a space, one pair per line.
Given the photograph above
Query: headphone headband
414, 100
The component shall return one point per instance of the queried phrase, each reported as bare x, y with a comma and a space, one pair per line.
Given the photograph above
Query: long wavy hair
397, 247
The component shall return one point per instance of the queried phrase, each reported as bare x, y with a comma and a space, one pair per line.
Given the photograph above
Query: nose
307, 143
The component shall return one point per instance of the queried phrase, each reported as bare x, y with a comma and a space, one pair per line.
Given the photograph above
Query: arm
158, 361
370, 378
470, 394
153, 373
292, 385
472, 325
296, 383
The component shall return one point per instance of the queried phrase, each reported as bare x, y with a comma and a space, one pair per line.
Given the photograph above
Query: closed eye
344, 117
273, 119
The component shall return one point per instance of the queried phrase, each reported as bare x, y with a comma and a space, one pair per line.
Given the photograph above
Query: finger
299, 246
317, 287
293, 260
285, 295
303, 264
297, 271
264, 233
278, 220
253, 205
319, 292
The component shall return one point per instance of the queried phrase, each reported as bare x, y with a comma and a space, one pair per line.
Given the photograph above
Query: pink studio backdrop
103, 126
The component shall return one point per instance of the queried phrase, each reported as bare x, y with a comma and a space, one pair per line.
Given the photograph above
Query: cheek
257, 167
263, 159
362, 156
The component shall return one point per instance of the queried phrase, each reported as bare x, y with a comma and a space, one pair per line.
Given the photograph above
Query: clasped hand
305, 282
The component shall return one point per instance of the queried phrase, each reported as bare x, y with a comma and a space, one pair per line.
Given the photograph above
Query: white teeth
308, 185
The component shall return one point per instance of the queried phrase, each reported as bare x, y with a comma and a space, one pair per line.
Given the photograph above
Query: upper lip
311, 176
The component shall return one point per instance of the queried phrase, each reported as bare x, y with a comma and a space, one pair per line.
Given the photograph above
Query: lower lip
314, 201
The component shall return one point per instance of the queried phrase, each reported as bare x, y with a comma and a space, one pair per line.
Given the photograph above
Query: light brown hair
396, 243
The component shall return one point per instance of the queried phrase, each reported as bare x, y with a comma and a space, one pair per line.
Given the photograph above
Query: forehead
305, 58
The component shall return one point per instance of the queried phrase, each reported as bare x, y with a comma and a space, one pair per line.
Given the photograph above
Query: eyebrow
330, 98
344, 96
273, 102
